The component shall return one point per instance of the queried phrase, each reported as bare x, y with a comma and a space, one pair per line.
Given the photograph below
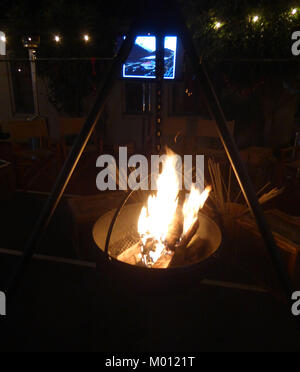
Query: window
137, 97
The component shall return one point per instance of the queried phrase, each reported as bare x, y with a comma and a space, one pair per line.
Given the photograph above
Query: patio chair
291, 158
69, 129
31, 150
291, 152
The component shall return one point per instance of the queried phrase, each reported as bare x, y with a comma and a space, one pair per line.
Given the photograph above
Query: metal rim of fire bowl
127, 217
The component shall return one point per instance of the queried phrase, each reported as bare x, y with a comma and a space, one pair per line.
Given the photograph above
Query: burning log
176, 227
182, 254
139, 255
149, 246
179, 257
190, 249
175, 253
132, 255
189, 234
164, 261
175, 230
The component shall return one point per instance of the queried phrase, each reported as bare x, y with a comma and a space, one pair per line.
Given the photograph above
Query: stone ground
64, 307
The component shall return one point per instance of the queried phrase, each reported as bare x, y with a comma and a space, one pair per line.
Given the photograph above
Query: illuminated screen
2, 44
170, 56
141, 62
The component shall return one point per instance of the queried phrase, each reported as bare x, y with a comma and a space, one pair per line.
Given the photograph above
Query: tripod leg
71, 162
234, 156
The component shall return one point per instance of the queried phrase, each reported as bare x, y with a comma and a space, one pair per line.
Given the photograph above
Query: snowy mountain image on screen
141, 62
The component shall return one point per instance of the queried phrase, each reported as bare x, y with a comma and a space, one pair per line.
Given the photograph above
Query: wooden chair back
208, 128
70, 126
23, 130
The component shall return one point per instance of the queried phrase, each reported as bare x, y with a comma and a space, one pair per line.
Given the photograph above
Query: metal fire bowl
125, 233
141, 280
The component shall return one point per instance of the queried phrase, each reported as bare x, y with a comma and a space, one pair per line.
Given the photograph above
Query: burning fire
158, 217
192, 205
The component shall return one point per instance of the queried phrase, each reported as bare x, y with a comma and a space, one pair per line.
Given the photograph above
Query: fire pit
145, 280
125, 236
165, 233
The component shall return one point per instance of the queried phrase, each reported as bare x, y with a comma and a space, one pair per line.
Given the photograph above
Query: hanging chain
158, 119
159, 91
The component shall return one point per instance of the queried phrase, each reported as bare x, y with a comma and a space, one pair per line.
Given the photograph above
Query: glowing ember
158, 217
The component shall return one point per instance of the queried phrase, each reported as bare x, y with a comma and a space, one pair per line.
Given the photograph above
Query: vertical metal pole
32, 59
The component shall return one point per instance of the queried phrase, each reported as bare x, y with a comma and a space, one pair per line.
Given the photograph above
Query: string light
218, 25
86, 38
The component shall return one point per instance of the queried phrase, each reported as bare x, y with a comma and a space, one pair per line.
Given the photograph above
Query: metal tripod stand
158, 24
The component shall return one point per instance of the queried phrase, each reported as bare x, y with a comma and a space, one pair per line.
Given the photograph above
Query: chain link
159, 92
158, 118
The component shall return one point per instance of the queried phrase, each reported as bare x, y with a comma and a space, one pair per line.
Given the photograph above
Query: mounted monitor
141, 62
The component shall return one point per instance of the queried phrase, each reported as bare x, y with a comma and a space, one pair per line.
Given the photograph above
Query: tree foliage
239, 36
250, 58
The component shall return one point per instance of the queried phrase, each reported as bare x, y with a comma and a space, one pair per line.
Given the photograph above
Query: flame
157, 216
192, 205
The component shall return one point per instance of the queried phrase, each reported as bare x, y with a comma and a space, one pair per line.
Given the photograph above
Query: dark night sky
4, 6
103, 19
118, 7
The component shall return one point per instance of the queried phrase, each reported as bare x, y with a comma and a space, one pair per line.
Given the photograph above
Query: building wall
5, 96
47, 109
122, 128
181, 133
